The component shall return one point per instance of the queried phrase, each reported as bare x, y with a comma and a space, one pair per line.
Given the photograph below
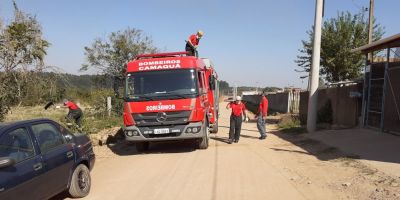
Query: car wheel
142, 146
80, 182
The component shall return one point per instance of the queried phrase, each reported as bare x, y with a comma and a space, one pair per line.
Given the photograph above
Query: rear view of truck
169, 96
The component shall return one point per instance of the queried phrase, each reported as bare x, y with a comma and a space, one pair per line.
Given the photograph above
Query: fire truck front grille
153, 118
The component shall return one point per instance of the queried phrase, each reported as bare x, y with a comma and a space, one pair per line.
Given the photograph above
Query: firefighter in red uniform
261, 116
238, 111
74, 112
193, 42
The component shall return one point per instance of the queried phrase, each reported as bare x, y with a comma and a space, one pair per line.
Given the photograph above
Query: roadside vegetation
95, 116
340, 35
291, 124
27, 84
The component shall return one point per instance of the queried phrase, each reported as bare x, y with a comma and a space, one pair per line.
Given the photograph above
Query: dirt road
276, 168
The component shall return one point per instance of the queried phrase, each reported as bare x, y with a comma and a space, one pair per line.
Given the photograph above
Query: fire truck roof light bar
162, 55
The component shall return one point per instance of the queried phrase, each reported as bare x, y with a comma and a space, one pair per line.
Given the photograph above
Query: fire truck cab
170, 96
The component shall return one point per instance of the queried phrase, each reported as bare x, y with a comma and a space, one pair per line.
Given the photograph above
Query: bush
291, 124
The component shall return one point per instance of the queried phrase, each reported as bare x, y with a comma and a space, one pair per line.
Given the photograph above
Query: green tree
22, 44
223, 87
339, 36
111, 55
22, 52
271, 89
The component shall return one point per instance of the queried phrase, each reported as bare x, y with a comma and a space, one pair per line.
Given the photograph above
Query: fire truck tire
203, 143
142, 146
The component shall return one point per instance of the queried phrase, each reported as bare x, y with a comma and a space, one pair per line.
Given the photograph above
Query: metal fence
391, 120
383, 97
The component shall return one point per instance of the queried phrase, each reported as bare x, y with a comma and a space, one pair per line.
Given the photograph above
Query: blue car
40, 158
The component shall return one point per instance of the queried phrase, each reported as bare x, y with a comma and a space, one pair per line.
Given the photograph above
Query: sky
252, 43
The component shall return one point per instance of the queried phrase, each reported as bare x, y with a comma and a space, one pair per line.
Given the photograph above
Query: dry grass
92, 122
25, 113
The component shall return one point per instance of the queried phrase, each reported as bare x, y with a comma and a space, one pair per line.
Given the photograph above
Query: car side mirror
6, 162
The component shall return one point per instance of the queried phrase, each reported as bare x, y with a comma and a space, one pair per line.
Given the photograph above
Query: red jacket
194, 40
71, 105
237, 109
263, 108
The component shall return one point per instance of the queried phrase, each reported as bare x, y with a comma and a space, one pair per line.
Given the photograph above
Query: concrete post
109, 106
313, 98
370, 27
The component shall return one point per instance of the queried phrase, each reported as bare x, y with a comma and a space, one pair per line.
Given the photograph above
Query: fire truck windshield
159, 85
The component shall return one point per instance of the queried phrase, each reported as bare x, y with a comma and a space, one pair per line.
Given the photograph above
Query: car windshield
156, 85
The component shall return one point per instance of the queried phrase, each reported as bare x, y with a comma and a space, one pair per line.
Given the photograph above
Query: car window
16, 144
63, 130
48, 136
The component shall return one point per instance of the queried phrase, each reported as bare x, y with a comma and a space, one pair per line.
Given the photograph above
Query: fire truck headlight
135, 133
196, 129
193, 129
129, 133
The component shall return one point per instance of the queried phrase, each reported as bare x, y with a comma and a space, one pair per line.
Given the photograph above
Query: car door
19, 180
58, 157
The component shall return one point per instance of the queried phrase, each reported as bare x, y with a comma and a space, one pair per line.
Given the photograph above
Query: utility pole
314, 72
370, 26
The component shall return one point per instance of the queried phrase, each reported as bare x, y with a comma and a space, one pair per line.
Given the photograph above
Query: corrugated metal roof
389, 42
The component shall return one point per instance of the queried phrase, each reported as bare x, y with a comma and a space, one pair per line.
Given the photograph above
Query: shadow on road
312, 147
249, 136
291, 151
62, 195
354, 143
220, 139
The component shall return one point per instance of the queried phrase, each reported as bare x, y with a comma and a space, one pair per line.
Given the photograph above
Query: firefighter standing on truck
238, 111
193, 42
75, 113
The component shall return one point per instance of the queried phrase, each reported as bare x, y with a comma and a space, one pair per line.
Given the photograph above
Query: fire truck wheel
142, 146
203, 143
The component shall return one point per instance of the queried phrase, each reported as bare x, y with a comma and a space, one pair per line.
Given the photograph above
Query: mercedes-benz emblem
161, 117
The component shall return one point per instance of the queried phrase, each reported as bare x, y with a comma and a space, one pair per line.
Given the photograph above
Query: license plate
161, 131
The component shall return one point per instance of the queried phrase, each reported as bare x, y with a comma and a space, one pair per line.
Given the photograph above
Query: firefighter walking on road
238, 111
75, 113
261, 116
193, 42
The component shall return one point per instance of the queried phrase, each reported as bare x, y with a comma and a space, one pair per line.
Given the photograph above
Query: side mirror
6, 162
212, 82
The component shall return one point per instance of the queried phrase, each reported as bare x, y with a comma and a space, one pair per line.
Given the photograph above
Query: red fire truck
170, 96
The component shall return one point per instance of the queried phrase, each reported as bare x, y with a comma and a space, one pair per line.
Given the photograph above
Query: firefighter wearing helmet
193, 42
238, 112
